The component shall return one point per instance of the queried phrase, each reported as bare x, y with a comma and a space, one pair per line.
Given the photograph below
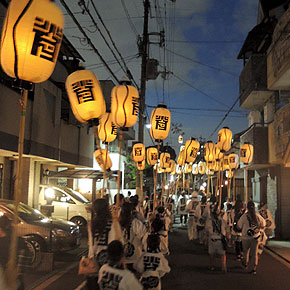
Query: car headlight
59, 233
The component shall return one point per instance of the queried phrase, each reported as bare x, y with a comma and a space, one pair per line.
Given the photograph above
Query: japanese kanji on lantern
124, 105
201, 167
191, 149
85, 95
165, 160
31, 39
160, 122
107, 130
246, 153
138, 152
233, 161
209, 152
141, 165
224, 139
152, 155
103, 159
226, 165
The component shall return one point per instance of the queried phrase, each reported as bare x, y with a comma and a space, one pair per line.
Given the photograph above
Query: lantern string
105, 170
119, 169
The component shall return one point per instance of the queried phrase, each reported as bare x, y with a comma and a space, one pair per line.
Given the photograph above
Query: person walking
113, 274
182, 209
192, 220
202, 212
251, 224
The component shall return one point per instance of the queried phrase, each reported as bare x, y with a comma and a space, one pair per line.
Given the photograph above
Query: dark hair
252, 212
161, 209
157, 224
203, 199
5, 224
229, 206
129, 193
153, 242
126, 215
212, 199
115, 251
238, 207
101, 215
121, 197
134, 200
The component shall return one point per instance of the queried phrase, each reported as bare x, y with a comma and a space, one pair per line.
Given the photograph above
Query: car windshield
76, 195
26, 212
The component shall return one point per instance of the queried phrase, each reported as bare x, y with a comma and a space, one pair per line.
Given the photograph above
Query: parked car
68, 204
46, 234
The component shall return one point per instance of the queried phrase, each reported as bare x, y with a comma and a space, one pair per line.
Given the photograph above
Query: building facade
265, 92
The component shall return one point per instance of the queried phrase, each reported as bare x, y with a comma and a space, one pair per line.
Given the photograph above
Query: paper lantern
246, 153
211, 165
229, 174
224, 139
141, 165
138, 152
233, 161
195, 169
160, 169
103, 158
218, 155
180, 159
179, 169
217, 166
191, 149
152, 156
85, 95
107, 130
124, 105
180, 139
209, 171
201, 167
172, 167
31, 39
226, 165
209, 152
160, 122
164, 160
188, 168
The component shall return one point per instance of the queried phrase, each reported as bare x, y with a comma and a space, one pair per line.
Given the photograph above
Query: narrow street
189, 270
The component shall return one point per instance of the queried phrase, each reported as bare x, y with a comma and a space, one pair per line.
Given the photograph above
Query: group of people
239, 226
129, 246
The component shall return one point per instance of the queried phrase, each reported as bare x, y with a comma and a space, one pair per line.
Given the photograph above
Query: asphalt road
189, 271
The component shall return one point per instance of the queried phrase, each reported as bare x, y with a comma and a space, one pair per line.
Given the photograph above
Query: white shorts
215, 247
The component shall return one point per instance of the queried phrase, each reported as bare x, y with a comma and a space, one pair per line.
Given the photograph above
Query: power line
203, 64
225, 116
200, 91
128, 72
88, 39
206, 41
129, 19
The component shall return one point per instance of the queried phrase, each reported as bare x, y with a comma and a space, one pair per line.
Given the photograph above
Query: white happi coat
112, 232
192, 220
113, 278
133, 240
152, 266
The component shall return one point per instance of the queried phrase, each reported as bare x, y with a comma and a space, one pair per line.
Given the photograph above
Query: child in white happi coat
192, 220
113, 276
152, 264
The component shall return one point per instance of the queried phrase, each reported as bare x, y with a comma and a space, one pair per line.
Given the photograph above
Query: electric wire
127, 71
88, 39
129, 19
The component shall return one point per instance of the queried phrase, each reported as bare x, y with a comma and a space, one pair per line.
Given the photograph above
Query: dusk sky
203, 38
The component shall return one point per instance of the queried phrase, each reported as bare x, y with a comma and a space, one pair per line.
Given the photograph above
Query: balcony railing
253, 82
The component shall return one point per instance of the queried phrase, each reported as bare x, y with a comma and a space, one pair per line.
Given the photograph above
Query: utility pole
145, 43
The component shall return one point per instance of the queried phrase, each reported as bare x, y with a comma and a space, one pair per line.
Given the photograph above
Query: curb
276, 255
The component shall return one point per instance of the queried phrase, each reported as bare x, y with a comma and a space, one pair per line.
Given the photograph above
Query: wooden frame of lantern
246, 156
234, 164
29, 58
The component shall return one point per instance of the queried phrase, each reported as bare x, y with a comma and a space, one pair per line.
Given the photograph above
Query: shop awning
82, 173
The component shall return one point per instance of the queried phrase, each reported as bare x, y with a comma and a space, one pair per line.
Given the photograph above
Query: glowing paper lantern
164, 160
195, 169
103, 159
218, 155
107, 130
141, 165
152, 156
180, 139
180, 159
188, 168
233, 161
201, 167
224, 139
209, 172
124, 105
229, 174
31, 39
209, 152
211, 165
226, 165
191, 149
85, 95
172, 167
217, 166
160, 122
246, 153
138, 152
